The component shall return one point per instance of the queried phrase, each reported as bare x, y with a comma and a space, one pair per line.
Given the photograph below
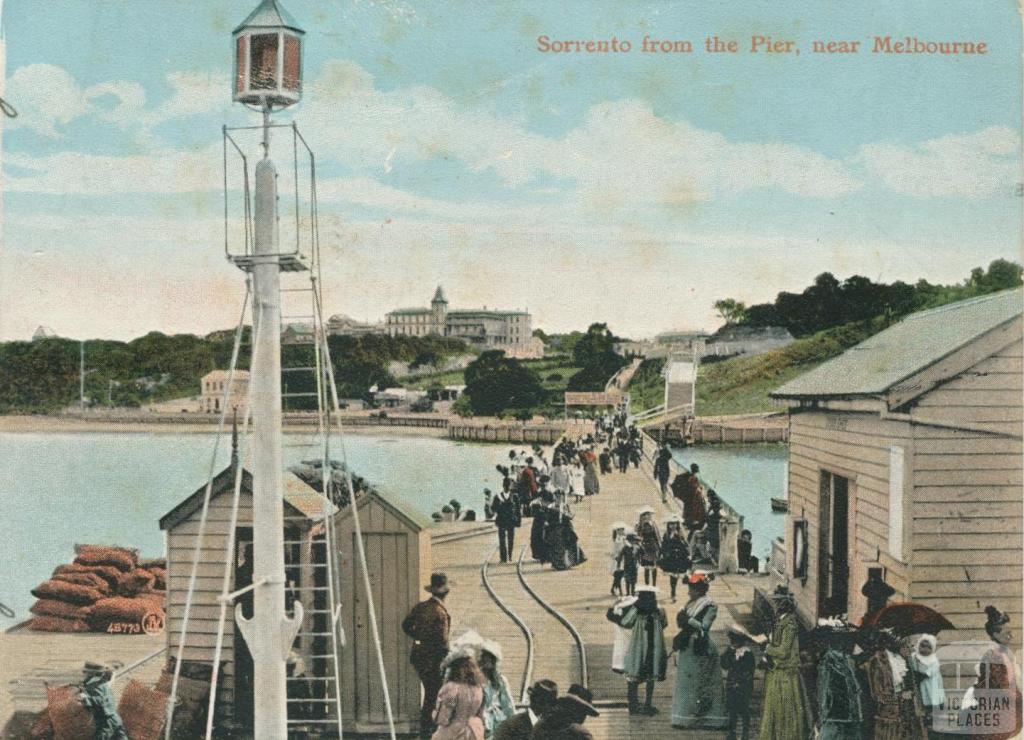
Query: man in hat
543, 695
565, 720
507, 513
429, 624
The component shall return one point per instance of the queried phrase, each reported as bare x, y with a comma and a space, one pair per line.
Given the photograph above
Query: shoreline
25, 424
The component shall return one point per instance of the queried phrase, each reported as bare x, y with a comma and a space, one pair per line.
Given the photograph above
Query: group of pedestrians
465, 694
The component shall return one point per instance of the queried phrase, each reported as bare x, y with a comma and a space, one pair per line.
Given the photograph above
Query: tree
495, 383
595, 354
730, 310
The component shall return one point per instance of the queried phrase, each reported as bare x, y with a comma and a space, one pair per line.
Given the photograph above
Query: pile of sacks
103, 587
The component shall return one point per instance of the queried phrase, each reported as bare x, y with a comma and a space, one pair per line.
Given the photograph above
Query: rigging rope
336, 408
229, 560
206, 507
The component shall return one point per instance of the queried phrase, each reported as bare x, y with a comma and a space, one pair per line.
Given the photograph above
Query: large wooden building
906, 460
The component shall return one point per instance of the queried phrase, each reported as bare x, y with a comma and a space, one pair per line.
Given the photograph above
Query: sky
633, 188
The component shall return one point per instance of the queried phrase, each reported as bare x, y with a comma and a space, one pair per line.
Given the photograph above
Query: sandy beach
62, 425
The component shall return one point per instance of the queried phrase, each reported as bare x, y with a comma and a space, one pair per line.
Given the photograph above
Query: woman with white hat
498, 702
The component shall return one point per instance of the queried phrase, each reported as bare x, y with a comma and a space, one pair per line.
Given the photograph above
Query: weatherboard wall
856, 446
967, 512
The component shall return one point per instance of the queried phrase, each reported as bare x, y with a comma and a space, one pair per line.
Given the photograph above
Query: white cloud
974, 165
75, 173
48, 97
195, 93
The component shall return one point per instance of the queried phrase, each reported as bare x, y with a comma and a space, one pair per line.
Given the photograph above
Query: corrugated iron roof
269, 14
916, 342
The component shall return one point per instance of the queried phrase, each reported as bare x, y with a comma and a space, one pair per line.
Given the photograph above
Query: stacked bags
104, 586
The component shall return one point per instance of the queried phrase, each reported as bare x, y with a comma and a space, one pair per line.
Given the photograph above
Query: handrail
580, 646
527, 633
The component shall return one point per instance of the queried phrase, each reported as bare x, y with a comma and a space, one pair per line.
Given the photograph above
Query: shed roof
412, 518
299, 498
223, 375
918, 341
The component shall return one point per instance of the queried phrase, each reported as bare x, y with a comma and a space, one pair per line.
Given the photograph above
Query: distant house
905, 461
341, 325
730, 341
394, 397
212, 391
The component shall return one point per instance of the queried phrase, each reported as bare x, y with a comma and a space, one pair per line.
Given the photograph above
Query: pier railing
729, 526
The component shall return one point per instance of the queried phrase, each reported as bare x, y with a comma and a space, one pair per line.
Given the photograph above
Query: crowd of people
839, 682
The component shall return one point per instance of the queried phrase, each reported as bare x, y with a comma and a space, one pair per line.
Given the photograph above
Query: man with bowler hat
428, 624
543, 695
565, 720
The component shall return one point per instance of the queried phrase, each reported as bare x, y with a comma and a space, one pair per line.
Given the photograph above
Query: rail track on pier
554, 647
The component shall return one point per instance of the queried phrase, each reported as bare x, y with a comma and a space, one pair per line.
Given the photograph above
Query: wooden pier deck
31, 660
582, 596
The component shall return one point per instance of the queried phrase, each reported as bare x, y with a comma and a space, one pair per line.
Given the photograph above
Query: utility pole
81, 375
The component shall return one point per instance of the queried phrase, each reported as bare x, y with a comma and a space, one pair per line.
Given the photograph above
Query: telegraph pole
81, 375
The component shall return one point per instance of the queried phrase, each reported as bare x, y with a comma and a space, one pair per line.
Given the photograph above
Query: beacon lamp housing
268, 59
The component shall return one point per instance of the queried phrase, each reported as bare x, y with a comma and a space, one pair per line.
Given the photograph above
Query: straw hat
644, 510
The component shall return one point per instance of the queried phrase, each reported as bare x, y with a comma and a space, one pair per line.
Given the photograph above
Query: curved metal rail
527, 633
577, 638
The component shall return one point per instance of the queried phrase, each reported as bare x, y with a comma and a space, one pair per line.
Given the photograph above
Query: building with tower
484, 328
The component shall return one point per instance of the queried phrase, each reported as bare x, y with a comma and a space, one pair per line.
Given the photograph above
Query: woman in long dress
459, 712
783, 715
591, 484
675, 555
699, 699
898, 714
646, 658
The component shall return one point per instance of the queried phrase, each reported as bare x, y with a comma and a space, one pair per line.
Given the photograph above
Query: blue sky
632, 188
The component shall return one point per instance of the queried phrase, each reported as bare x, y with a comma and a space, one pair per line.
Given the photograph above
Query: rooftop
223, 375
269, 14
905, 348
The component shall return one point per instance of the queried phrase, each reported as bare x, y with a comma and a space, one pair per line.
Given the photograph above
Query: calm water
59, 489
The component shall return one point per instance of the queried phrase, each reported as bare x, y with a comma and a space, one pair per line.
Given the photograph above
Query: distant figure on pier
459, 713
650, 544
629, 561
618, 542
429, 625
543, 696
528, 481
591, 484
675, 555
507, 513
662, 471
605, 459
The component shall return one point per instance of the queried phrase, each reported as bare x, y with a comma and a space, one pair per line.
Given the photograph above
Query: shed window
896, 502
264, 61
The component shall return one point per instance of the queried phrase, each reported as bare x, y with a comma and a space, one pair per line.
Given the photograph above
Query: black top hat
545, 478
438, 584
576, 705
582, 692
543, 692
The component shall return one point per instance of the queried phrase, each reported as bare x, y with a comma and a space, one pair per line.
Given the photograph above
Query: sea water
62, 489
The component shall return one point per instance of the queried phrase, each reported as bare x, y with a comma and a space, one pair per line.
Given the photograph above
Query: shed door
387, 562
833, 545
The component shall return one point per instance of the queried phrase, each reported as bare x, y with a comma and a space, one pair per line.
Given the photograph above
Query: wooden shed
303, 512
906, 457
397, 544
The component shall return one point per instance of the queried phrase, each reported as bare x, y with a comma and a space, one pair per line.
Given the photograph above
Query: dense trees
828, 302
594, 353
43, 375
496, 384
